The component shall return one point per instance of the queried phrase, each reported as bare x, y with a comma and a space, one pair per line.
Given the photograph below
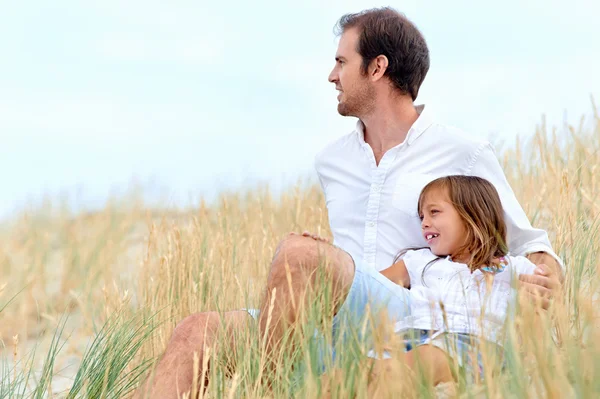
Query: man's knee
300, 249
299, 257
294, 243
200, 328
295, 252
195, 326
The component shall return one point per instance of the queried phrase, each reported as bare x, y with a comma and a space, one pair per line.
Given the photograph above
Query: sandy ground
78, 335
67, 361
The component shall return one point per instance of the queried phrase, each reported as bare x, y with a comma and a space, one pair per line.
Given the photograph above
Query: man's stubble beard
361, 104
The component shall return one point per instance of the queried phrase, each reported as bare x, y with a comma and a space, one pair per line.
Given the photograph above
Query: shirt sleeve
522, 265
523, 239
415, 262
317, 167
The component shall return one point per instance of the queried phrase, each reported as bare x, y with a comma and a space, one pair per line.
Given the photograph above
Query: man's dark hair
385, 31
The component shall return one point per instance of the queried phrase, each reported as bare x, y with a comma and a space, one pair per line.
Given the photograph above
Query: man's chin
343, 110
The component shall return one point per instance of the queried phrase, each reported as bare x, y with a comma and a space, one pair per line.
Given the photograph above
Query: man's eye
434, 211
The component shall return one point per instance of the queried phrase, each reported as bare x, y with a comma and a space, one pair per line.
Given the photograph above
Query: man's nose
332, 76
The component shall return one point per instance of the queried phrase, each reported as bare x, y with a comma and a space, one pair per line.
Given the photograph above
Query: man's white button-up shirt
373, 208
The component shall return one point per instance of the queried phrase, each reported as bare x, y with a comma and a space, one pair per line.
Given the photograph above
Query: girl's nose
424, 223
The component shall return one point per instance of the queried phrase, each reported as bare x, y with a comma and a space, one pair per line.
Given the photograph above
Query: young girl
462, 283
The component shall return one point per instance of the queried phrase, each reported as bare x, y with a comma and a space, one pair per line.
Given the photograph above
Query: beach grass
88, 301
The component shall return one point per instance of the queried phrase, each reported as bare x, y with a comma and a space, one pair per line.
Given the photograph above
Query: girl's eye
421, 217
434, 211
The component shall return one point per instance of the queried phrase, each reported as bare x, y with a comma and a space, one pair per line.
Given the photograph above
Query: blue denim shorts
373, 299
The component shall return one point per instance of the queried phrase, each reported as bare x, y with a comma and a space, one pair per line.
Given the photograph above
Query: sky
188, 99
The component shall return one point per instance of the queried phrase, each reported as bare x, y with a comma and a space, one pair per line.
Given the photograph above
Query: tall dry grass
124, 276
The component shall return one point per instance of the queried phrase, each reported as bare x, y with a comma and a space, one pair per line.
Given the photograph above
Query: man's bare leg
297, 264
174, 374
302, 257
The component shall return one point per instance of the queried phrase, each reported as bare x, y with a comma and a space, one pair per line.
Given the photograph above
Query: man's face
356, 93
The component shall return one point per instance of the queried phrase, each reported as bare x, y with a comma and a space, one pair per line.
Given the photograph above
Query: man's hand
542, 285
542, 258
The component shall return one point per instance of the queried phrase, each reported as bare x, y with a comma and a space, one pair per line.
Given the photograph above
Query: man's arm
523, 239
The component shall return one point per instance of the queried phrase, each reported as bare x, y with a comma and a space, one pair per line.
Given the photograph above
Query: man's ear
378, 67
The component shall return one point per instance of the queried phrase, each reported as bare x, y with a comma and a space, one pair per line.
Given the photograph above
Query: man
371, 179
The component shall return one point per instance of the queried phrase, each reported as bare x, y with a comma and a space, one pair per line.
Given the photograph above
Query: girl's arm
398, 274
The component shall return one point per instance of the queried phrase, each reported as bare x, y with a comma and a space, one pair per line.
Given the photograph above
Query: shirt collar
423, 122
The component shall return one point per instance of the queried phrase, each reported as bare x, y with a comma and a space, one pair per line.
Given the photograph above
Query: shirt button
376, 189
371, 224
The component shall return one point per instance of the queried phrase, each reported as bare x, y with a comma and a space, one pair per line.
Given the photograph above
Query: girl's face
442, 226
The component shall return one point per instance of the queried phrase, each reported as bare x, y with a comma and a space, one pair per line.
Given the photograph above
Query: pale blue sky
195, 97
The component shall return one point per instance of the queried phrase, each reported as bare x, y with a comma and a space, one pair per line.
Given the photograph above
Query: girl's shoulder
415, 261
419, 252
415, 257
